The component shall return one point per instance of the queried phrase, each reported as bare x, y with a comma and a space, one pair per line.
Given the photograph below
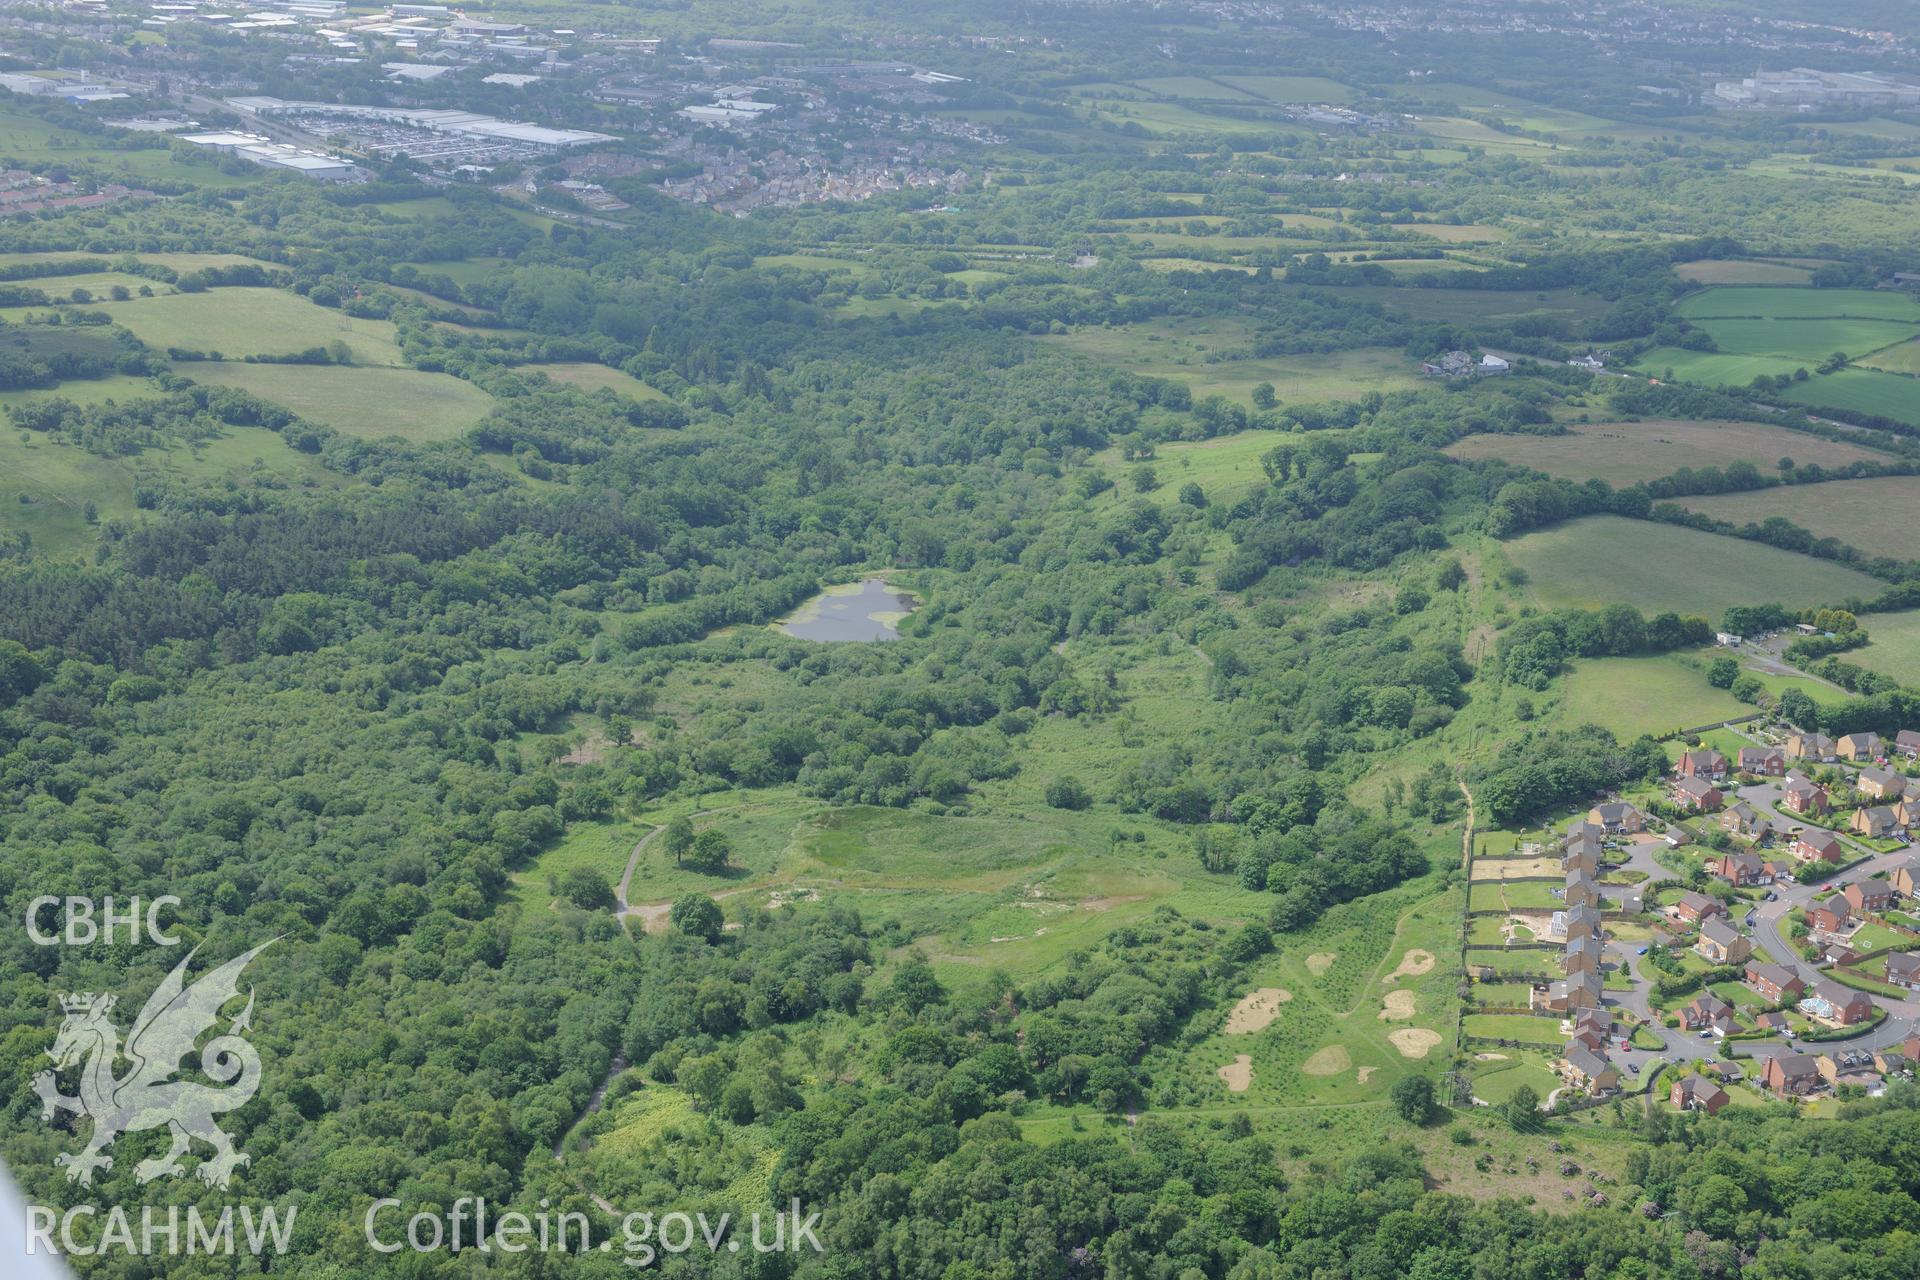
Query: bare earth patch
1399, 1007
1412, 965
1492, 869
1256, 1009
1238, 1074
1414, 1042
1330, 1061
1366, 1072
1319, 962
1489, 1057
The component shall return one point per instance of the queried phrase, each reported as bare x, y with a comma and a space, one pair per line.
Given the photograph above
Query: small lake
866, 610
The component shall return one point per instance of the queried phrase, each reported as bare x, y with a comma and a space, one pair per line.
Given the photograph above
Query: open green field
1292, 88
1895, 645
1455, 233
1770, 303
1887, 395
1172, 119
1206, 355
463, 272
1876, 515
1655, 695
1719, 369
1464, 305
365, 402
45, 485
1201, 88
1735, 271
1601, 560
253, 322
1904, 358
589, 376
1810, 340
1227, 468
1622, 453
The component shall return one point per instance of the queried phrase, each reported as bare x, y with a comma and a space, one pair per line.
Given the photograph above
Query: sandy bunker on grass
1412, 965
1414, 1042
1256, 1009
1366, 1073
1238, 1074
1330, 1061
1319, 962
1398, 1006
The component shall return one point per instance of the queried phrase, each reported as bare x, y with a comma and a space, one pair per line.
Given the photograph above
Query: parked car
1642, 951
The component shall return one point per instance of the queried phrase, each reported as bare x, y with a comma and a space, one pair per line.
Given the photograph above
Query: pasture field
1810, 340
1455, 233
1193, 264
1474, 304
1600, 560
589, 376
1904, 358
1719, 369
1226, 468
1200, 88
253, 322
366, 402
1288, 89
1624, 452
463, 272
1170, 119
1895, 646
1888, 395
1733, 271
1192, 352
1774, 303
1655, 695
1874, 515
45, 484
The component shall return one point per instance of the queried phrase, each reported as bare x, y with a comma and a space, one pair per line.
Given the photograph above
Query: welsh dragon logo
148, 1096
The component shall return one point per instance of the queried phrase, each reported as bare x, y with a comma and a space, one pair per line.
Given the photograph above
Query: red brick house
1697, 1093
1707, 764
1698, 795
1903, 969
1740, 869
1791, 1075
1868, 895
1764, 762
1692, 907
1819, 846
1774, 982
1829, 917
1804, 796
1838, 1004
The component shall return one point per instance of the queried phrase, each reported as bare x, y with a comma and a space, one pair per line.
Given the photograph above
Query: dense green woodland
367, 710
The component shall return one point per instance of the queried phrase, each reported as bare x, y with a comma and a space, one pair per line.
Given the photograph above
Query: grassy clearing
462, 272
1729, 271
1656, 695
1719, 369
1227, 468
365, 402
1895, 647
1624, 452
1875, 515
1292, 88
1769, 303
589, 376
253, 322
1197, 87
1888, 395
1475, 304
1809, 340
1452, 233
1206, 355
45, 485
1600, 560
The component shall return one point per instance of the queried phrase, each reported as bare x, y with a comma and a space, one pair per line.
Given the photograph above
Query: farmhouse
1708, 1012
1791, 1075
1697, 1093
1774, 982
1875, 823
1740, 869
1880, 784
1804, 796
1708, 764
1721, 943
1819, 846
1815, 747
1697, 794
1865, 896
1691, 907
1586, 1070
1903, 969
1831, 1002
1860, 746
1765, 762
1616, 817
